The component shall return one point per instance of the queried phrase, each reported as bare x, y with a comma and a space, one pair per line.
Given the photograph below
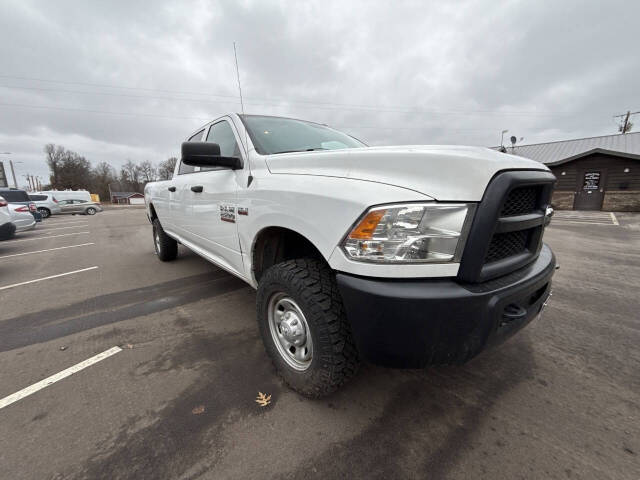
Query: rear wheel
165, 246
90, 211
45, 212
304, 327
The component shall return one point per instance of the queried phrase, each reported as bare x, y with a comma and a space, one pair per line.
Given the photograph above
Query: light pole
13, 172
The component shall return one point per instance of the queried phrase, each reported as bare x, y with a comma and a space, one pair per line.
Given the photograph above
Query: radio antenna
246, 141
235, 54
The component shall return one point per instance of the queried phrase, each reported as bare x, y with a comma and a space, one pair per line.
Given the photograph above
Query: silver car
21, 217
79, 207
46, 203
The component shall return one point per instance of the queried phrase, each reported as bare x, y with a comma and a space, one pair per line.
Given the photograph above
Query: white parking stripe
41, 237
67, 223
47, 278
614, 219
63, 228
47, 250
25, 392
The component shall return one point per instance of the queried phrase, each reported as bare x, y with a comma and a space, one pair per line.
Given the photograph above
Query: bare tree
148, 172
55, 155
166, 168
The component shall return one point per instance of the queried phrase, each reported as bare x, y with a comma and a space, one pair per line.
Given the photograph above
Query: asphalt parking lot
176, 399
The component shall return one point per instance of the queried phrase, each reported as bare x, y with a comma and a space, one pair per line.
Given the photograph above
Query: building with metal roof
595, 173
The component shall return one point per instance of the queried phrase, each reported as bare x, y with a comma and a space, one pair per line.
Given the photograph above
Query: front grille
507, 244
507, 229
520, 201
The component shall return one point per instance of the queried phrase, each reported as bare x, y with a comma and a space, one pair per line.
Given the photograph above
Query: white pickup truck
402, 256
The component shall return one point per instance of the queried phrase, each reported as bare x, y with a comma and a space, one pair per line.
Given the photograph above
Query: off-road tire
45, 212
166, 247
312, 285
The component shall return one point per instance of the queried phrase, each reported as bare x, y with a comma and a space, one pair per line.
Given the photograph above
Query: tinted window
278, 135
38, 198
15, 196
222, 134
189, 168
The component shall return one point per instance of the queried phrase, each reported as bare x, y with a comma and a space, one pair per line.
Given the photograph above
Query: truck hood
446, 173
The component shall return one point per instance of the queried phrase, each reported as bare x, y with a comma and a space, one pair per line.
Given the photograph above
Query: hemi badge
243, 211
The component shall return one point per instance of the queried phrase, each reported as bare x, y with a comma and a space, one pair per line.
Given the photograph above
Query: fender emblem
228, 213
243, 211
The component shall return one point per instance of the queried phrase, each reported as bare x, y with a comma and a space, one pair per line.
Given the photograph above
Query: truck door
212, 195
178, 194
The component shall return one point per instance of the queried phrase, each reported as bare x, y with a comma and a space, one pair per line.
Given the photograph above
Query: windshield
279, 135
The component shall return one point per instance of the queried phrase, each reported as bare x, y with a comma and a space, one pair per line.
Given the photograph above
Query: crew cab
403, 256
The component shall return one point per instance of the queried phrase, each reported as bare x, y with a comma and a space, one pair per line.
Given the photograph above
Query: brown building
597, 173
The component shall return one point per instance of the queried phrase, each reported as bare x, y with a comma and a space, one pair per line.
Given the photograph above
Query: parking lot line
47, 236
69, 223
48, 278
64, 228
25, 392
46, 250
614, 219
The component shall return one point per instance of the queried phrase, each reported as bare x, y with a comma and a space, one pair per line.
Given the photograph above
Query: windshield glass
279, 135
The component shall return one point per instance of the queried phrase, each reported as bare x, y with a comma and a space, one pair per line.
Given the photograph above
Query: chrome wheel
91, 211
290, 331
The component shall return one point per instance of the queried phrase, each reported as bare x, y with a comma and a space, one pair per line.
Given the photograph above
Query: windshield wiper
304, 150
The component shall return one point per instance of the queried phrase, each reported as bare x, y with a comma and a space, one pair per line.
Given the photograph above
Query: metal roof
125, 194
555, 153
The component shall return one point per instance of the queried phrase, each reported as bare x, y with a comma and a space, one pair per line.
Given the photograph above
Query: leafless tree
166, 168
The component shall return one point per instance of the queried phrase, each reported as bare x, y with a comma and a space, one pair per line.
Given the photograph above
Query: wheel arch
275, 244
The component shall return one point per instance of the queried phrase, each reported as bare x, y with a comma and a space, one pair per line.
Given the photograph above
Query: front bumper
415, 323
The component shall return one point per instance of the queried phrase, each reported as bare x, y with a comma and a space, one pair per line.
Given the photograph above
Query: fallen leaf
263, 400
198, 410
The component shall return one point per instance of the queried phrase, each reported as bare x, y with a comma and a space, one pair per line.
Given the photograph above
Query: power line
626, 125
270, 101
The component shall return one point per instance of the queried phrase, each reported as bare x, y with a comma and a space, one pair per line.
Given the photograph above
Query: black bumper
415, 323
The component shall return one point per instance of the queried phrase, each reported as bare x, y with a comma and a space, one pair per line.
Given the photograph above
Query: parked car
79, 207
7, 228
21, 217
46, 204
21, 197
405, 256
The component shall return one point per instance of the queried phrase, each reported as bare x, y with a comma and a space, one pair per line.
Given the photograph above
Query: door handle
197, 188
172, 189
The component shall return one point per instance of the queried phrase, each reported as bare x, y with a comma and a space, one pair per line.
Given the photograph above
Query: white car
21, 217
404, 256
7, 228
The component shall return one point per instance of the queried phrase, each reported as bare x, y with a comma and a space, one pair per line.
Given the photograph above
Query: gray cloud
387, 72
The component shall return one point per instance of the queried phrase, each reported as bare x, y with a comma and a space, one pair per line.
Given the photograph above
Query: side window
189, 168
222, 134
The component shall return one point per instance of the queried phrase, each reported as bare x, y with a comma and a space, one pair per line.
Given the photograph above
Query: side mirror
205, 154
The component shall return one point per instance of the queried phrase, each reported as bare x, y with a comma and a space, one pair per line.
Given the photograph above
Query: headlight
410, 233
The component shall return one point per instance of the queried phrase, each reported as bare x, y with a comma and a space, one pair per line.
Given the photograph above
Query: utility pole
626, 125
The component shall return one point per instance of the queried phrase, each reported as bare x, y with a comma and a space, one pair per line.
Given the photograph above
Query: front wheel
91, 211
45, 212
165, 246
304, 327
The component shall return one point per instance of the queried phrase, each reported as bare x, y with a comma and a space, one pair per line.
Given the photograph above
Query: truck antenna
235, 54
246, 141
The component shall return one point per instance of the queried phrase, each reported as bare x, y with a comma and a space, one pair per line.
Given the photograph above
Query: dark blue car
17, 196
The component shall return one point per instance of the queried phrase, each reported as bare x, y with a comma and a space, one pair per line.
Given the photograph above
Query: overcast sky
123, 79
